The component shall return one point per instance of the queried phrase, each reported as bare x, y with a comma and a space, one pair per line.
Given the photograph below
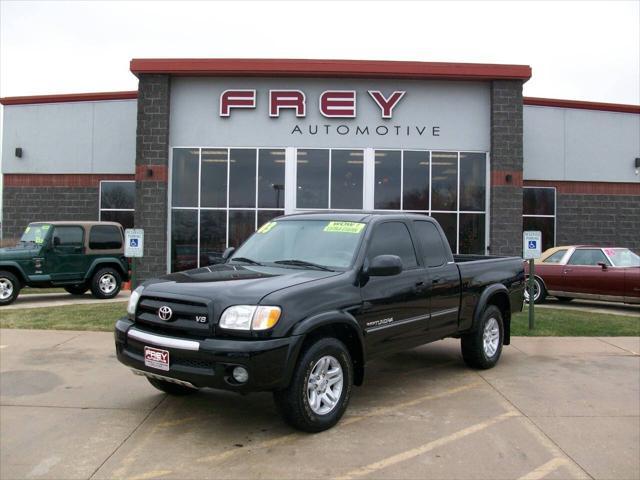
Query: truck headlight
250, 317
133, 301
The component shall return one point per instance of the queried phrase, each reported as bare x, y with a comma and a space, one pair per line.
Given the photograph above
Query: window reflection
242, 223
472, 233
415, 180
444, 168
242, 177
448, 223
472, 181
271, 178
313, 178
387, 178
184, 245
185, 177
213, 188
347, 167
213, 236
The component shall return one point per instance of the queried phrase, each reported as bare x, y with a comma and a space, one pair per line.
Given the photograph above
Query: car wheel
482, 348
9, 287
564, 299
171, 388
320, 389
106, 283
77, 289
539, 292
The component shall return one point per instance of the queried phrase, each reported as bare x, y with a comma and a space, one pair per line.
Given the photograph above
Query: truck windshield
316, 244
35, 233
623, 257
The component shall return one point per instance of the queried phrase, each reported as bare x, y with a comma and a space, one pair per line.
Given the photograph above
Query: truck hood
18, 252
232, 284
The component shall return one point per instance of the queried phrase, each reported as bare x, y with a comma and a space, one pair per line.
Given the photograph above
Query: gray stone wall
612, 220
506, 168
22, 205
152, 162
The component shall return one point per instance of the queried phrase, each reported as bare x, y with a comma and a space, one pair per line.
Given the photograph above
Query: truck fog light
240, 374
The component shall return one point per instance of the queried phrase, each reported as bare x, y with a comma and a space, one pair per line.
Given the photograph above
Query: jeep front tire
9, 287
106, 283
320, 389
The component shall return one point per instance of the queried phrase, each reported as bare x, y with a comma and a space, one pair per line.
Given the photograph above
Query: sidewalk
45, 300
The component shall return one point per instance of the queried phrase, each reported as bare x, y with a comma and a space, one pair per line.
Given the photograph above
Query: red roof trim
71, 97
607, 107
329, 68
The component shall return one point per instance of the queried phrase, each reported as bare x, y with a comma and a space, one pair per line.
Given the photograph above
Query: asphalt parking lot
556, 408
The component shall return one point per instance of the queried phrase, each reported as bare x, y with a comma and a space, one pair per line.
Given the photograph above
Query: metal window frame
100, 209
555, 211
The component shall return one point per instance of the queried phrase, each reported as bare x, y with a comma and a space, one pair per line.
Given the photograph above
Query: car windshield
316, 244
35, 233
623, 257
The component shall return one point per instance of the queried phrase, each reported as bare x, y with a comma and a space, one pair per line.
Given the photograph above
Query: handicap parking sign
532, 244
134, 242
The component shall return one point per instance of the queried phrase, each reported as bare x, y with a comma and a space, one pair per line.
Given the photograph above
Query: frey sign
331, 103
531, 244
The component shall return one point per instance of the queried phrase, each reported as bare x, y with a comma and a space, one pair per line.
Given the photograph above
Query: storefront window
313, 178
444, 183
219, 197
415, 180
539, 213
347, 169
388, 177
473, 179
117, 202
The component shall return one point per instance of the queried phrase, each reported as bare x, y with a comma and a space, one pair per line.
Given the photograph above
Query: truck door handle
436, 281
566, 270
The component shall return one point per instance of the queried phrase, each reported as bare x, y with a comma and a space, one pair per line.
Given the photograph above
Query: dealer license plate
156, 358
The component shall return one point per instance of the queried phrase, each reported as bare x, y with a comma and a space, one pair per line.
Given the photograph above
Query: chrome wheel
536, 290
107, 283
6, 288
324, 385
491, 337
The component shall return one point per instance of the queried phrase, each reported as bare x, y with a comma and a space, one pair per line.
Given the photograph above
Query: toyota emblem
165, 313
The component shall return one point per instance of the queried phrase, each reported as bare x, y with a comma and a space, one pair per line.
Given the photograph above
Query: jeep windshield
310, 244
35, 233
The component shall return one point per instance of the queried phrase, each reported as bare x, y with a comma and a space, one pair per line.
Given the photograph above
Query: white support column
290, 172
369, 178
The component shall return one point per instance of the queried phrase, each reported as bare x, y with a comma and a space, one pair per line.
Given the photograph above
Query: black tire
540, 293
98, 283
171, 388
293, 402
564, 299
77, 289
473, 348
9, 287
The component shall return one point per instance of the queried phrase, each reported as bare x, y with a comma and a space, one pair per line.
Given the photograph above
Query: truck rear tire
320, 389
106, 283
482, 348
171, 388
9, 287
77, 289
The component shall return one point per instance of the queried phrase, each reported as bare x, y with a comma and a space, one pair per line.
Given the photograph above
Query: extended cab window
588, 256
392, 238
555, 257
68, 239
105, 237
431, 244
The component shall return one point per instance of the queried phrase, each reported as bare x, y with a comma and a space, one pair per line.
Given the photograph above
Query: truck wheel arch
16, 270
497, 295
339, 325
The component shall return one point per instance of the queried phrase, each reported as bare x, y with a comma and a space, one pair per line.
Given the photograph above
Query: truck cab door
444, 280
395, 309
65, 260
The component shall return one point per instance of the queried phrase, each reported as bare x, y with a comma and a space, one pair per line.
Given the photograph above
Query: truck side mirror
384, 266
228, 252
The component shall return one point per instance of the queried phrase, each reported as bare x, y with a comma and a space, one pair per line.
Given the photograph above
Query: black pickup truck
308, 300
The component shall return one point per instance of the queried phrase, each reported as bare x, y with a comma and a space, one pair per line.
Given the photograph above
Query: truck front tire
320, 389
9, 287
482, 348
106, 283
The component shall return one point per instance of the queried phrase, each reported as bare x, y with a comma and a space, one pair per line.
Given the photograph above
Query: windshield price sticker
344, 227
267, 227
45, 227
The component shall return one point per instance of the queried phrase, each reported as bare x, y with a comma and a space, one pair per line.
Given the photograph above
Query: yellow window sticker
27, 230
344, 227
45, 227
38, 239
267, 227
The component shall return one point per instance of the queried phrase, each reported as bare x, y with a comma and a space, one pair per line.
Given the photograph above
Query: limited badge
344, 227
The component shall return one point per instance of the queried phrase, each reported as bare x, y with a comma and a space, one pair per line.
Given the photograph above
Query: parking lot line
545, 469
414, 452
344, 422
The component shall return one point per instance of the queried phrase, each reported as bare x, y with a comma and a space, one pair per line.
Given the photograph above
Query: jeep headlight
250, 317
133, 301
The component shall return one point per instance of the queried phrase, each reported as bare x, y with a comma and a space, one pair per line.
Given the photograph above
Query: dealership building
207, 150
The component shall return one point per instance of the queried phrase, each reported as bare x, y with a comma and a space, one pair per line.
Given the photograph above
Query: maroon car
593, 273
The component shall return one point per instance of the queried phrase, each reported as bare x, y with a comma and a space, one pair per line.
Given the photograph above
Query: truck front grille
191, 318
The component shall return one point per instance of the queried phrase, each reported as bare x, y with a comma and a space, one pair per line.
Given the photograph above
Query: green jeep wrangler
77, 256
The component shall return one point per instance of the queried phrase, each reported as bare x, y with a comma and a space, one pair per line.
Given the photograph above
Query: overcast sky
578, 50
